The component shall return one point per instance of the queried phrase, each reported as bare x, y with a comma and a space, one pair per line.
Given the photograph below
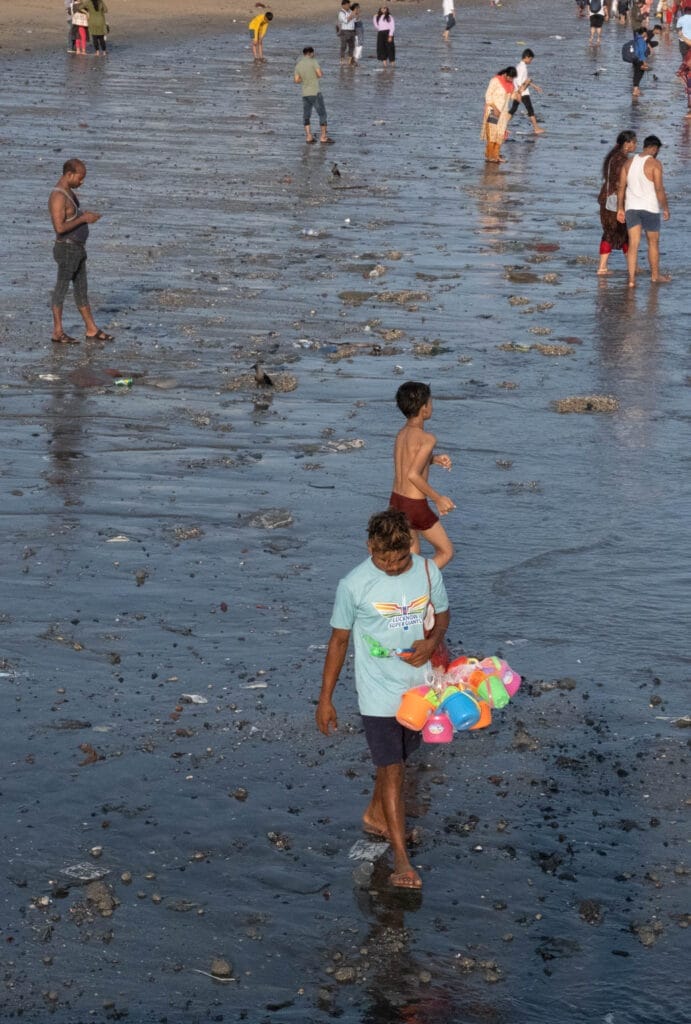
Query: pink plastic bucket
438, 728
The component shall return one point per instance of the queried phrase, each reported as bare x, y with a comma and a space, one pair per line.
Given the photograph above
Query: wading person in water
385, 599
69, 252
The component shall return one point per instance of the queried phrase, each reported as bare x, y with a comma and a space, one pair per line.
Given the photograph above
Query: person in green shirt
307, 74
96, 11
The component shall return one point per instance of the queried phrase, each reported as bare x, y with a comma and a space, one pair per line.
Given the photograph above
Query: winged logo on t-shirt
402, 615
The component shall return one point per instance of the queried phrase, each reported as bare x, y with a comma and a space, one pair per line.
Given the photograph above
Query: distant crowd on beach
632, 197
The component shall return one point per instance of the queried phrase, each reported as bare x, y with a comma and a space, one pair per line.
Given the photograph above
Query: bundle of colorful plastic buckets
459, 699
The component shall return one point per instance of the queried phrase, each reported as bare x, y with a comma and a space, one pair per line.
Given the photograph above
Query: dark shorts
388, 741
643, 219
313, 102
71, 260
597, 20
417, 511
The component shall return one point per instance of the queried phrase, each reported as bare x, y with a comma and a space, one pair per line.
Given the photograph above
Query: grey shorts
71, 260
643, 219
388, 741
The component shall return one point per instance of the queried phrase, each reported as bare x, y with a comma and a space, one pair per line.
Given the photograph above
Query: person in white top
522, 82
449, 12
640, 197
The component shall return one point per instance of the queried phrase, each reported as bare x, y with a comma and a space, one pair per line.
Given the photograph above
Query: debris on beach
271, 519
403, 298
590, 911
187, 532
520, 276
282, 382
586, 403
100, 898
363, 348
344, 445
377, 271
647, 932
355, 298
92, 755
552, 350
221, 969
83, 872
429, 348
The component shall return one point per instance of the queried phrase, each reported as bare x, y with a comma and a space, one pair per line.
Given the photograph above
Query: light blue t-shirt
391, 609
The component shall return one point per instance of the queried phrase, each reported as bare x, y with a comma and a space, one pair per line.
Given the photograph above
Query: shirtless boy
413, 455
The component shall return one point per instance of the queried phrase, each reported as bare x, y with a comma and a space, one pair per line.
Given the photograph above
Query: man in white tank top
640, 198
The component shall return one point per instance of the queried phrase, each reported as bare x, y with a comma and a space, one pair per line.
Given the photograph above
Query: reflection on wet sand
628, 338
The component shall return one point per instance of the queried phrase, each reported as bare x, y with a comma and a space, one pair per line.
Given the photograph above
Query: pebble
345, 975
590, 911
221, 968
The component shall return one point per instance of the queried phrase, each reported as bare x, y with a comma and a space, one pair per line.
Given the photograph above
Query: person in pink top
385, 26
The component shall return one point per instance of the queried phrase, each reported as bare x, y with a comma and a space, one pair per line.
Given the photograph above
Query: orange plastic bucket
414, 710
485, 716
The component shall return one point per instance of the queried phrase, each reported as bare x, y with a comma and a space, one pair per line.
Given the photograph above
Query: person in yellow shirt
258, 27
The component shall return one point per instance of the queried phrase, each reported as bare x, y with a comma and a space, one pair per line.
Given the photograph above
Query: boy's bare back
412, 453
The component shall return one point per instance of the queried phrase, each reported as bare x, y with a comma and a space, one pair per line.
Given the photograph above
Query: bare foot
408, 879
413, 836
602, 272
374, 828
632, 284
539, 131
661, 279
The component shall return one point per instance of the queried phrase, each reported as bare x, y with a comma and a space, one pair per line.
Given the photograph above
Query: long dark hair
98, 4
380, 13
622, 138
509, 72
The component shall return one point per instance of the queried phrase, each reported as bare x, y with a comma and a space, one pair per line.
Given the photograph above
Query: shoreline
132, 20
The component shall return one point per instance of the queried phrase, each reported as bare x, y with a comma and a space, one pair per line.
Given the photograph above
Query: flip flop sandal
100, 336
64, 339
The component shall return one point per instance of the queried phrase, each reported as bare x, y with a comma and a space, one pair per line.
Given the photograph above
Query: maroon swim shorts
417, 511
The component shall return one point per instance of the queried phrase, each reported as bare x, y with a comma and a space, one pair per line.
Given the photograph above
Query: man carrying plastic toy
385, 598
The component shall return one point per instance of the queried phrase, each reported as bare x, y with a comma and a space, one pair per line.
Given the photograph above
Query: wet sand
138, 565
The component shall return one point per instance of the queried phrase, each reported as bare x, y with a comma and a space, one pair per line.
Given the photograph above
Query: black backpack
595, 6
628, 52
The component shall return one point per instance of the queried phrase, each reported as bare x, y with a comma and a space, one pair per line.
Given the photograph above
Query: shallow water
568, 533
